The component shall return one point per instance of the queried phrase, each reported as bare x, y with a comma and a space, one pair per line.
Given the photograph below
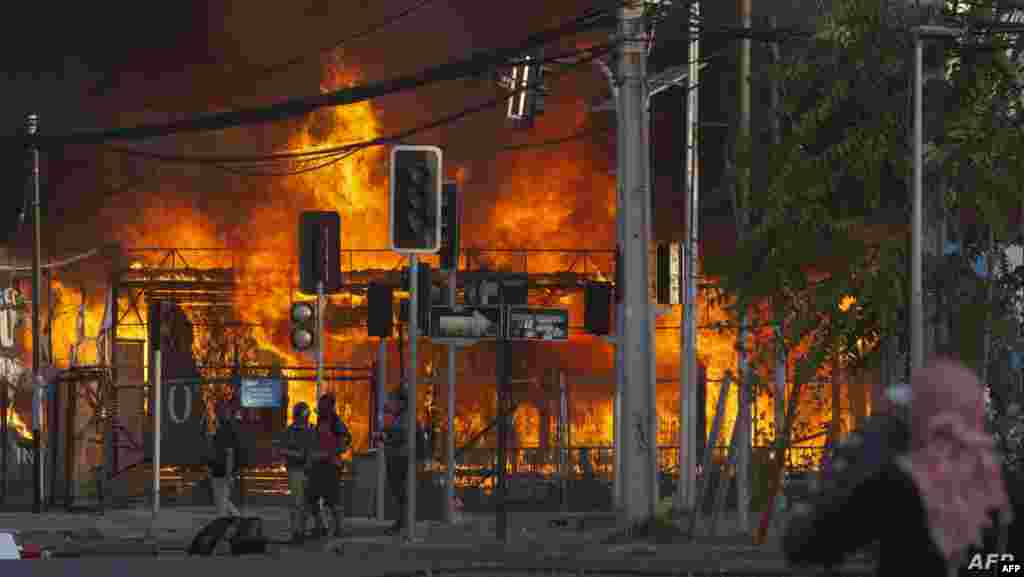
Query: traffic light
424, 296
450, 226
597, 300
381, 311
319, 247
304, 321
415, 188
526, 83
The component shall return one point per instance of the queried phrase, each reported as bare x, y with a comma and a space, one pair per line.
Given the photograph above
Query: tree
817, 232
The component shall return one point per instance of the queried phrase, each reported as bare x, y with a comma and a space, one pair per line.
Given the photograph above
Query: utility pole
742, 194
37, 342
780, 328
686, 491
620, 372
639, 442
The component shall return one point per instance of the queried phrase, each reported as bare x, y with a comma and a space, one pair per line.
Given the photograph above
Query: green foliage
843, 151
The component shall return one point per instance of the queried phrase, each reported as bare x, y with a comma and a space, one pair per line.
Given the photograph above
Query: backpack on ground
244, 534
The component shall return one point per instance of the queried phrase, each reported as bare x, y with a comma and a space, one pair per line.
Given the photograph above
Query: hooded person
296, 445
226, 449
332, 440
924, 506
394, 444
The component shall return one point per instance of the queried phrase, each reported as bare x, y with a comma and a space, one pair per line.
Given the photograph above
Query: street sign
538, 324
465, 323
262, 393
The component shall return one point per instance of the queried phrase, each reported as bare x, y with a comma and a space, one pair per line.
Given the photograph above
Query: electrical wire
343, 148
474, 65
335, 154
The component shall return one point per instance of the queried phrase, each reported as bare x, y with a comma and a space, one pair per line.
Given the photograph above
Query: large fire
547, 199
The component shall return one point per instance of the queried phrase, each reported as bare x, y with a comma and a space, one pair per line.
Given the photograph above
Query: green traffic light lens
302, 339
302, 312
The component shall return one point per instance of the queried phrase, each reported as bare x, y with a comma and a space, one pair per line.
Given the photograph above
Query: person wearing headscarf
924, 507
225, 459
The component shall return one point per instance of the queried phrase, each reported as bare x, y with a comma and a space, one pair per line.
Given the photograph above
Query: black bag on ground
244, 534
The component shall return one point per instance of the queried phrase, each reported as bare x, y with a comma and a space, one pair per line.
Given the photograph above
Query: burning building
226, 249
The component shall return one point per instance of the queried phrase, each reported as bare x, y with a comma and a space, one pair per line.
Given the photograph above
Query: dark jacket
225, 438
882, 505
297, 438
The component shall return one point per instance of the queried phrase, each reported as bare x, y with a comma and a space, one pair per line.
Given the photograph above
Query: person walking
925, 507
332, 440
225, 460
296, 444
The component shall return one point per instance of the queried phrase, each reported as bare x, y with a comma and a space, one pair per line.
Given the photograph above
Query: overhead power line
474, 65
318, 159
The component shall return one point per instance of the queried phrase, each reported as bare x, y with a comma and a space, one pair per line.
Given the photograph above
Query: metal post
688, 430
382, 356
37, 344
450, 468
501, 512
156, 432
563, 441
5, 435
916, 293
319, 337
743, 184
637, 438
410, 413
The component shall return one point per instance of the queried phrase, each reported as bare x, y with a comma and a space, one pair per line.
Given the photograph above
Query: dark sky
122, 63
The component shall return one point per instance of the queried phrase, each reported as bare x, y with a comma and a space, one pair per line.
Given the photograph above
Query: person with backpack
332, 440
223, 468
296, 444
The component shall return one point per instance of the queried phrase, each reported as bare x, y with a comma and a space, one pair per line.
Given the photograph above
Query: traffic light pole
319, 336
37, 346
410, 411
501, 512
450, 448
382, 358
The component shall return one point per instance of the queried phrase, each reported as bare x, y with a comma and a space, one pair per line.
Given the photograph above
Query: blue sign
262, 393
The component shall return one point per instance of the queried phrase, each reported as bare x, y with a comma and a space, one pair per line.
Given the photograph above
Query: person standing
392, 439
333, 439
296, 444
225, 461
924, 507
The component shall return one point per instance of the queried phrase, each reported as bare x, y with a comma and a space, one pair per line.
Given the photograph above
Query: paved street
123, 537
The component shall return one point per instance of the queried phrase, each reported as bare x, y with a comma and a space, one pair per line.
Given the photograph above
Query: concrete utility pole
37, 342
920, 330
743, 193
638, 440
686, 491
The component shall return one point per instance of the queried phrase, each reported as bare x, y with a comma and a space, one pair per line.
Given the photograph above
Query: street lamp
916, 272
